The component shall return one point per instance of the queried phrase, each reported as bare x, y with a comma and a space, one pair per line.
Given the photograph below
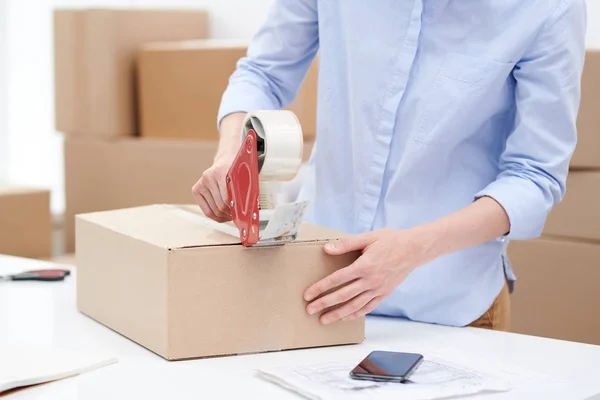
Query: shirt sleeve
277, 61
535, 162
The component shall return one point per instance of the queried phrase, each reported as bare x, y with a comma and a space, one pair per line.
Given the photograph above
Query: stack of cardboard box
25, 222
137, 94
557, 275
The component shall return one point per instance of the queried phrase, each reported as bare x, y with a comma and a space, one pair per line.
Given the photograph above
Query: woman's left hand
388, 257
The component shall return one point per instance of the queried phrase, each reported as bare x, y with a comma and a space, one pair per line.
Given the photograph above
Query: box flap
20, 190
204, 44
167, 226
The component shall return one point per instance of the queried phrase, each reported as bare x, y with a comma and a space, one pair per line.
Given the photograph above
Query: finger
204, 191
349, 308
204, 205
221, 183
338, 278
224, 194
347, 245
340, 296
370, 306
222, 207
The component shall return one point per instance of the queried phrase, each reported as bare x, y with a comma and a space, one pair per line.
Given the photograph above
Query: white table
45, 313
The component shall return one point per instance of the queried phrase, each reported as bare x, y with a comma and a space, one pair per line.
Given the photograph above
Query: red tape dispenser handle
243, 190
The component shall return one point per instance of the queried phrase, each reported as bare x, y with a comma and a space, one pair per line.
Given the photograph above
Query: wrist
433, 239
224, 158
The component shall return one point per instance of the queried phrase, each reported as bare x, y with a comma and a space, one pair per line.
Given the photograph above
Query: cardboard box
183, 290
587, 153
25, 222
578, 215
556, 292
181, 85
105, 175
94, 52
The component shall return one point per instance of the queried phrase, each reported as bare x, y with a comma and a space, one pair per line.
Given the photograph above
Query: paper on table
435, 378
24, 364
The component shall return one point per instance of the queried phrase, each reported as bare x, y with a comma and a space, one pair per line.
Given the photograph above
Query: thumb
347, 245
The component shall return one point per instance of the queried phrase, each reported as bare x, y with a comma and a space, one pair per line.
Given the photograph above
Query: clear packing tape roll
280, 134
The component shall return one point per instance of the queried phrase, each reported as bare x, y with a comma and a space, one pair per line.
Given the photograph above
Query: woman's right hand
210, 193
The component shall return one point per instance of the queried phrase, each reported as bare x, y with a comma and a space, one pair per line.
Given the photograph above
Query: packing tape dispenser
271, 151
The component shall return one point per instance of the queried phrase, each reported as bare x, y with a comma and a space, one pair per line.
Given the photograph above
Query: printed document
435, 378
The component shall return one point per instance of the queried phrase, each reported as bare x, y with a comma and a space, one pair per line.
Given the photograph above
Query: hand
210, 193
388, 257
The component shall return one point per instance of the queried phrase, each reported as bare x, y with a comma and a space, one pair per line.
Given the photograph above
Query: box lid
168, 227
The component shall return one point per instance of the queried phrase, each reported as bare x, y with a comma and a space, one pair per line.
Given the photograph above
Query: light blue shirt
424, 106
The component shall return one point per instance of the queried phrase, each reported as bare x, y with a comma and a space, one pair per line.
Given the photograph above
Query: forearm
479, 222
230, 138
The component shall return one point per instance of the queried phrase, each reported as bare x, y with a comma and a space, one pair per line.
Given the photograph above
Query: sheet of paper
436, 378
26, 364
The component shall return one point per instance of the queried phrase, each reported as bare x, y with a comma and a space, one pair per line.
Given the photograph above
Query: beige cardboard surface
587, 153
94, 52
104, 175
25, 222
181, 84
578, 215
556, 292
209, 297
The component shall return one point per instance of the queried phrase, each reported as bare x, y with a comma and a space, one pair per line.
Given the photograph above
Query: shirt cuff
244, 97
524, 204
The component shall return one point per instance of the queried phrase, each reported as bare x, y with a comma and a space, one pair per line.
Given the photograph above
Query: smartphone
386, 366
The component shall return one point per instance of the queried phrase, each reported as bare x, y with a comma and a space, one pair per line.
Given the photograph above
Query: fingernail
330, 246
325, 321
311, 310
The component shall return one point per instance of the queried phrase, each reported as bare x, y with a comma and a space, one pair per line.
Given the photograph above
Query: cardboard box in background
578, 215
587, 153
104, 175
183, 290
305, 104
25, 222
94, 53
180, 86
556, 292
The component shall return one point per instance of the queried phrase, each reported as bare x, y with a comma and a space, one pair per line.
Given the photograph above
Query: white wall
3, 95
35, 156
593, 25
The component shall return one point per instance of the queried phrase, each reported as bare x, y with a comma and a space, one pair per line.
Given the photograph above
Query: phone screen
387, 364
